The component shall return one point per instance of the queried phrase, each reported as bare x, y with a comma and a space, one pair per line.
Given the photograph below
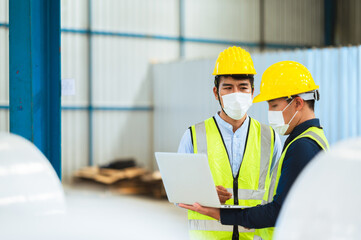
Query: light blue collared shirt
234, 141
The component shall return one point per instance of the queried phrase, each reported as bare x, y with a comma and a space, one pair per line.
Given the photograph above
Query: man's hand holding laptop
223, 196
209, 211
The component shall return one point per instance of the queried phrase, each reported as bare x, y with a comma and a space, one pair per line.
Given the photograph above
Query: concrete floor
93, 212
128, 216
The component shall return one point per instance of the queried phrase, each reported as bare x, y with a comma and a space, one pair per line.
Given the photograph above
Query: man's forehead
234, 81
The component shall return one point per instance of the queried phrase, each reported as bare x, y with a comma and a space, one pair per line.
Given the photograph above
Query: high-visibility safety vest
313, 133
248, 187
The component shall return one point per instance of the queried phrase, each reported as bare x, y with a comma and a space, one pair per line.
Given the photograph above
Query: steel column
329, 22
35, 81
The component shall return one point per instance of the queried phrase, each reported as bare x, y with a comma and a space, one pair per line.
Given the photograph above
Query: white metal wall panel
74, 64
136, 16
4, 66
4, 11
4, 120
335, 70
120, 67
236, 20
294, 22
183, 96
74, 142
194, 50
74, 14
123, 135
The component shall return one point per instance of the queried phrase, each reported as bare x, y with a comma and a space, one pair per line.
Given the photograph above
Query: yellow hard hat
234, 60
284, 79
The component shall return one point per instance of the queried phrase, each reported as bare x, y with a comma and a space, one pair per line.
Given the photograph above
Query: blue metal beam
131, 109
90, 86
181, 39
329, 21
35, 114
101, 108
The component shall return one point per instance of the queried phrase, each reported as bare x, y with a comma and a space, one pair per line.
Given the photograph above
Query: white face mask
277, 122
236, 104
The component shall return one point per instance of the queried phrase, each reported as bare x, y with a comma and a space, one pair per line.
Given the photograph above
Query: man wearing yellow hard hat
240, 150
290, 91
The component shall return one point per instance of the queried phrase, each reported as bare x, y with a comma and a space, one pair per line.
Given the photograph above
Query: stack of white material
325, 201
33, 206
28, 183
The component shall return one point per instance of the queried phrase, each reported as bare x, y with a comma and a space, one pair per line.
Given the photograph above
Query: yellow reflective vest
248, 188
315, 134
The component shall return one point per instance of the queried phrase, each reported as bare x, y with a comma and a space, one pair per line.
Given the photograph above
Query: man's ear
252, 92
215, 92
299, 103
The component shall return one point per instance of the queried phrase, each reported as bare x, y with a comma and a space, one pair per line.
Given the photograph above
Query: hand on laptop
209, 211
223, 194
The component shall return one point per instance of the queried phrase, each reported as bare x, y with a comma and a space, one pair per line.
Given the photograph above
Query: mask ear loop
219, 100
288, 105
293, 115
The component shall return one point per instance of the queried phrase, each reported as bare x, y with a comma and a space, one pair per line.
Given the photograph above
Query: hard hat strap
309, 95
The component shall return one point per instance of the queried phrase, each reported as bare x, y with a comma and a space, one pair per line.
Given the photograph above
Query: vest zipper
235, 235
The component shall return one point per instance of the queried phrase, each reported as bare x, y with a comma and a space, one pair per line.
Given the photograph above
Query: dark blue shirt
298, 155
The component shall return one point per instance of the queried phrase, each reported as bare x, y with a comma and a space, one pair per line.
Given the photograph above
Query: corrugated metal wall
348, 27
189, 98
232, 20
286, 23
294, 22
120, 73
74, 65
107, 47
182, 96
4, 66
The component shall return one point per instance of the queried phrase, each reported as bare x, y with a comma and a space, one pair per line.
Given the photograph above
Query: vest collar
315, 122
225, 125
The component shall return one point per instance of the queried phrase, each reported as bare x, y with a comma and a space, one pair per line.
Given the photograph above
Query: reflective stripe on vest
213, 225
323, 145
251, 182
273, 182
201, 137
247, 194
266, 158
266, 138
315, 134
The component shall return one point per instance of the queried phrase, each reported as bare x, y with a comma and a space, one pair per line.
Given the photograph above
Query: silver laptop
187, 179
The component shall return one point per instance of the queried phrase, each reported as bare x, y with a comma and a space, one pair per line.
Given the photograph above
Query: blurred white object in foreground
33, 207
28, 183
324, 202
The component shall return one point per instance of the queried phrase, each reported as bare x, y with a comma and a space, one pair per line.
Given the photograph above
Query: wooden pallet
109, 176
132, 180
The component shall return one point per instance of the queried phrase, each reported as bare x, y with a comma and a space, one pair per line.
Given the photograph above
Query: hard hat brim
233, 73
262, 98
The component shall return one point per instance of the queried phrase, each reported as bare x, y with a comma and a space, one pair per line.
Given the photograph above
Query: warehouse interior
133, 76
